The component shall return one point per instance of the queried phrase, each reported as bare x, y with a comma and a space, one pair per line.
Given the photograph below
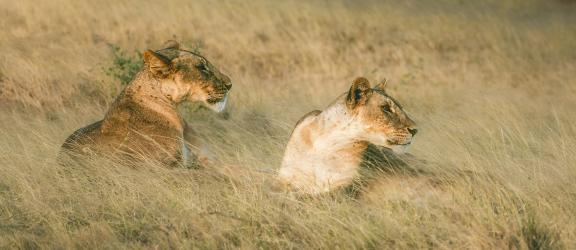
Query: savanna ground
490, 83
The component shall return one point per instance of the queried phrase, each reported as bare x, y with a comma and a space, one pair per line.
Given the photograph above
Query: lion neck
145, 94
325, 151
334, 130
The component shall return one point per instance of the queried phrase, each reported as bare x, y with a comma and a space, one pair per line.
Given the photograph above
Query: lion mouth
395, 143
214, 100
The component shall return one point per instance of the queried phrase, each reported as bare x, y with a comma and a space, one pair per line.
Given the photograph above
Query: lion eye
203, 68
386, 108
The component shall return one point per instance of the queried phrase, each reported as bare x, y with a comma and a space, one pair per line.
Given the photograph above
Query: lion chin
400, 149
219, 106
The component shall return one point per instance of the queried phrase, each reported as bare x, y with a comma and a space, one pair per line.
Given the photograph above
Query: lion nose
228, 86
413, 131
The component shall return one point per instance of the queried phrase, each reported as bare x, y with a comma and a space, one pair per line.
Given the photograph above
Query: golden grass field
491, 84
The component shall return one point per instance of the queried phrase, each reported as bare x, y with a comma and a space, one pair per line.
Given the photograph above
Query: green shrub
538, 236
124, 65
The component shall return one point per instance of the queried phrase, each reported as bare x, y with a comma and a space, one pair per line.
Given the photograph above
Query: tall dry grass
490, 83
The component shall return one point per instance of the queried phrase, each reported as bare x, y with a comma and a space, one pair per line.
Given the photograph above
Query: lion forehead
384, 109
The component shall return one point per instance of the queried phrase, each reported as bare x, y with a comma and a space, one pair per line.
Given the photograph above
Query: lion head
188, 76
381, 119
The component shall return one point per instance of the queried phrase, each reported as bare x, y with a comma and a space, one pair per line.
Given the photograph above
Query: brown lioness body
326, 147
143, 121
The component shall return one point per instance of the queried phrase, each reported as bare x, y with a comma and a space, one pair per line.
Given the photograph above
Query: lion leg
77, 143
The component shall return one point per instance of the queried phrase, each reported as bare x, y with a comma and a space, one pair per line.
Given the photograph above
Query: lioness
143, 120
326, 147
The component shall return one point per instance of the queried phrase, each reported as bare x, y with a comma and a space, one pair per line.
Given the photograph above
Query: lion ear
359, 93
171, 44
382, 85
158, 64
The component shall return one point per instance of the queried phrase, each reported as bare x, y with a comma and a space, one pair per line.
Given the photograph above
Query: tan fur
325, 149
143, 120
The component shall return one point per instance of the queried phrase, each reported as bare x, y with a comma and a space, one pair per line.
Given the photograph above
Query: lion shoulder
306, 116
